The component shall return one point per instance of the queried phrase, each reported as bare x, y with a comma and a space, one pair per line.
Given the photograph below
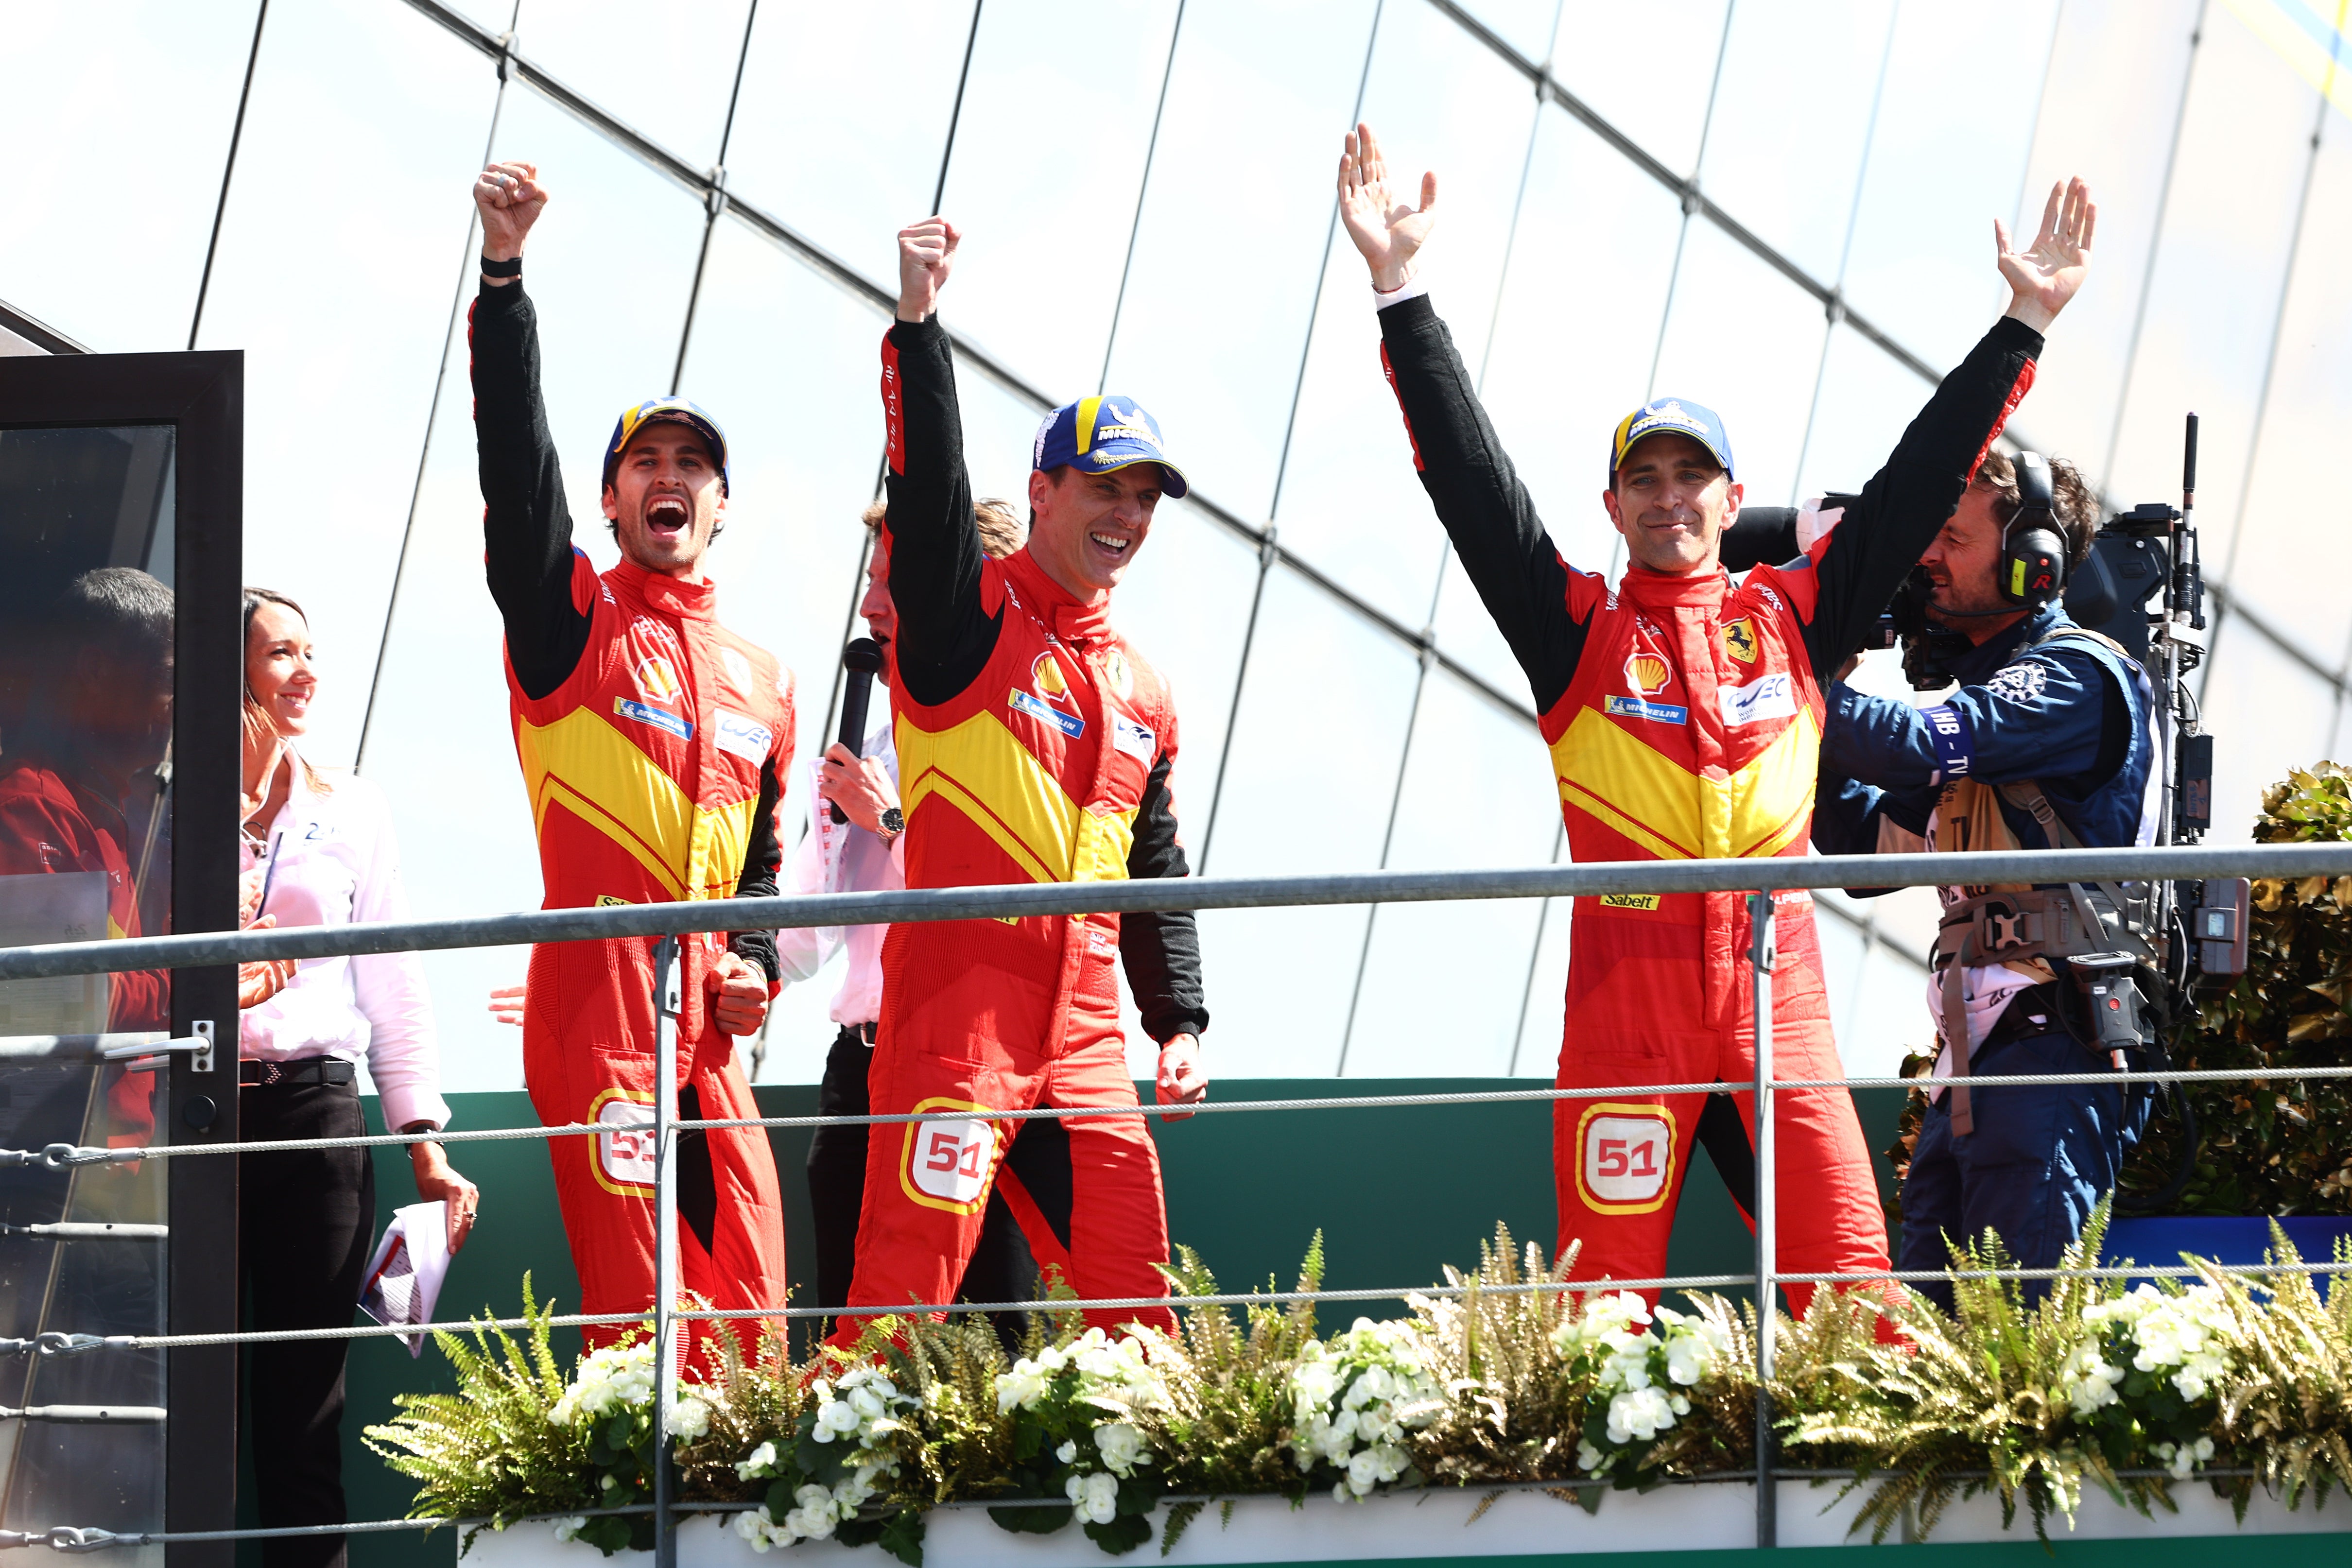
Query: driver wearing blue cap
655, 744
1036, 743
1683, 711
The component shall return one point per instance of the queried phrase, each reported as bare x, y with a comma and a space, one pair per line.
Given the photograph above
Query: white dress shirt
843, 858
331, 859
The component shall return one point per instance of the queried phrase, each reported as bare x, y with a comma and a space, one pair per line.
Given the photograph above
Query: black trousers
1001, 1268
305, 1219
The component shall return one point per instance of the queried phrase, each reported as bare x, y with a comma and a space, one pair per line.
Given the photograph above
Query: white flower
1639, 1415
569, 1527
2090, 1382
1121, 1446
1068, 1452
689, 1418
1095, 1497
1375, 1465
760, 1462
1694, 1347
1589, 1458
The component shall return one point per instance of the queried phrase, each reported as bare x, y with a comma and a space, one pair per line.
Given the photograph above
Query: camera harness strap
2110, 926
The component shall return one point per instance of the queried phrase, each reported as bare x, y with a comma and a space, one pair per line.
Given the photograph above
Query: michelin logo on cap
1668, 415
1104, 434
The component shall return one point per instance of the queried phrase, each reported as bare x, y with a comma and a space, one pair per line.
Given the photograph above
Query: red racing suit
654, 745
1683, 717
52, 824
1035, 744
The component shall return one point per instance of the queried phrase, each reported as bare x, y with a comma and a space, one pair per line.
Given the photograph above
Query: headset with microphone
2033, 547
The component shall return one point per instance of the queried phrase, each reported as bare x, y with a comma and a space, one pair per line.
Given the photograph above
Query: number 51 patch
1625, 1157
948, 1164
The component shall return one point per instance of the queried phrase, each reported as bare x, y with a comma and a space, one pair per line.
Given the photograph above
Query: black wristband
510, 268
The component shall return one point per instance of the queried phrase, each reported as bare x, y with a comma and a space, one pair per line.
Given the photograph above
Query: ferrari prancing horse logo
1740, 640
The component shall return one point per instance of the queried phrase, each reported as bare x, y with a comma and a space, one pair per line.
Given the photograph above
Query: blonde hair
1002, 531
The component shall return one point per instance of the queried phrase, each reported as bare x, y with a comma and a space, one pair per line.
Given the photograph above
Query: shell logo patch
1045, 674
1647, 674
657, 681
1740, 640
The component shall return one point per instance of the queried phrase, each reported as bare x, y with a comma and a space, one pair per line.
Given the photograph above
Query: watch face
894, 821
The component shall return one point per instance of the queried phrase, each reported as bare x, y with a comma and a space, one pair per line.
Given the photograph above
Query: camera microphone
860, 662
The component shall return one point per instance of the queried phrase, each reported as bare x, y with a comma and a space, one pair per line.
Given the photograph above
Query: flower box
1401, 1526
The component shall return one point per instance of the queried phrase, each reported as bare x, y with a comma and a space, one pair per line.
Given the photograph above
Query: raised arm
526, 527
1885, 532
945, 631
1540, 605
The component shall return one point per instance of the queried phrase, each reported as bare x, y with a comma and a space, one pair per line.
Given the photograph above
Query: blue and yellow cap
675, 410
1099, 435
1670, 416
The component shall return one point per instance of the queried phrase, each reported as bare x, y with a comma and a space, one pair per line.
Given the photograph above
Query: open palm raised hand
1388, 230
2044, 276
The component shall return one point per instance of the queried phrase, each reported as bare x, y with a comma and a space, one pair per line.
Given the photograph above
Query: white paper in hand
404, 1279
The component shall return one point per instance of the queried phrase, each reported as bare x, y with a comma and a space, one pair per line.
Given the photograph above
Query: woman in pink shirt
319, 850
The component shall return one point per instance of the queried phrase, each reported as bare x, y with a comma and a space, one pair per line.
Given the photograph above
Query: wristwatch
893, 823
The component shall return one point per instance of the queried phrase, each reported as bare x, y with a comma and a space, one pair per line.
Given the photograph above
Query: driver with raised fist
1035, 744
654, 745
1683, 714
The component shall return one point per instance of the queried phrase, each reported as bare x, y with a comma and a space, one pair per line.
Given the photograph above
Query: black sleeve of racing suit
945, 636
1891, 524
763, 859
1162, 952
1487, 511
526, 528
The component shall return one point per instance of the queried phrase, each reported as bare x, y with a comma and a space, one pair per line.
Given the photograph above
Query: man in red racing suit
1035, 744
1683, 714
654, 745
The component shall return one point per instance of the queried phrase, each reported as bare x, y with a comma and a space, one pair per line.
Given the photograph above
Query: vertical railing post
667, 990
1759, 960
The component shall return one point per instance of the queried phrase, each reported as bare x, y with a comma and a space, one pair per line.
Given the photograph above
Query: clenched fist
926, 256
511, 199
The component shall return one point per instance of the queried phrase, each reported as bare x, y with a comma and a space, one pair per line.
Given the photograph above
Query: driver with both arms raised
1684, 713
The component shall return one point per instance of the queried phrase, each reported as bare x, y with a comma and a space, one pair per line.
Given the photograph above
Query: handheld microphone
859, 661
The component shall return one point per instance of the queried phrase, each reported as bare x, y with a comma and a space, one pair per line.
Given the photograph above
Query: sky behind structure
1782, 208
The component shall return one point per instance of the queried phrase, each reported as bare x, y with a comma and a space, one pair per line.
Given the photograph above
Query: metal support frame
1760, 957
667, 996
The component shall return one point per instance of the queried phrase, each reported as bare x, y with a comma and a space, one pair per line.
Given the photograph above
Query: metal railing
1755, 881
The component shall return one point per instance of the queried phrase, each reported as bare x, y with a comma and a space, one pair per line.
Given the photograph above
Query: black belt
862, 1033
330, 1070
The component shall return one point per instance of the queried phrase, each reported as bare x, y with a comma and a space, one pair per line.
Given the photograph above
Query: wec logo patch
1768, 696
1625, 1157
747, 738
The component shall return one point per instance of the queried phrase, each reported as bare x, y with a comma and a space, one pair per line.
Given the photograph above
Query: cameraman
2050, 742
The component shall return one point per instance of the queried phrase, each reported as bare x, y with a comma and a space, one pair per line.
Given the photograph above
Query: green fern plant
2289, 1407
489, 1450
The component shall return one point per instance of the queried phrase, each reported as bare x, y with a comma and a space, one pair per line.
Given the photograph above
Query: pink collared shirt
331, 859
